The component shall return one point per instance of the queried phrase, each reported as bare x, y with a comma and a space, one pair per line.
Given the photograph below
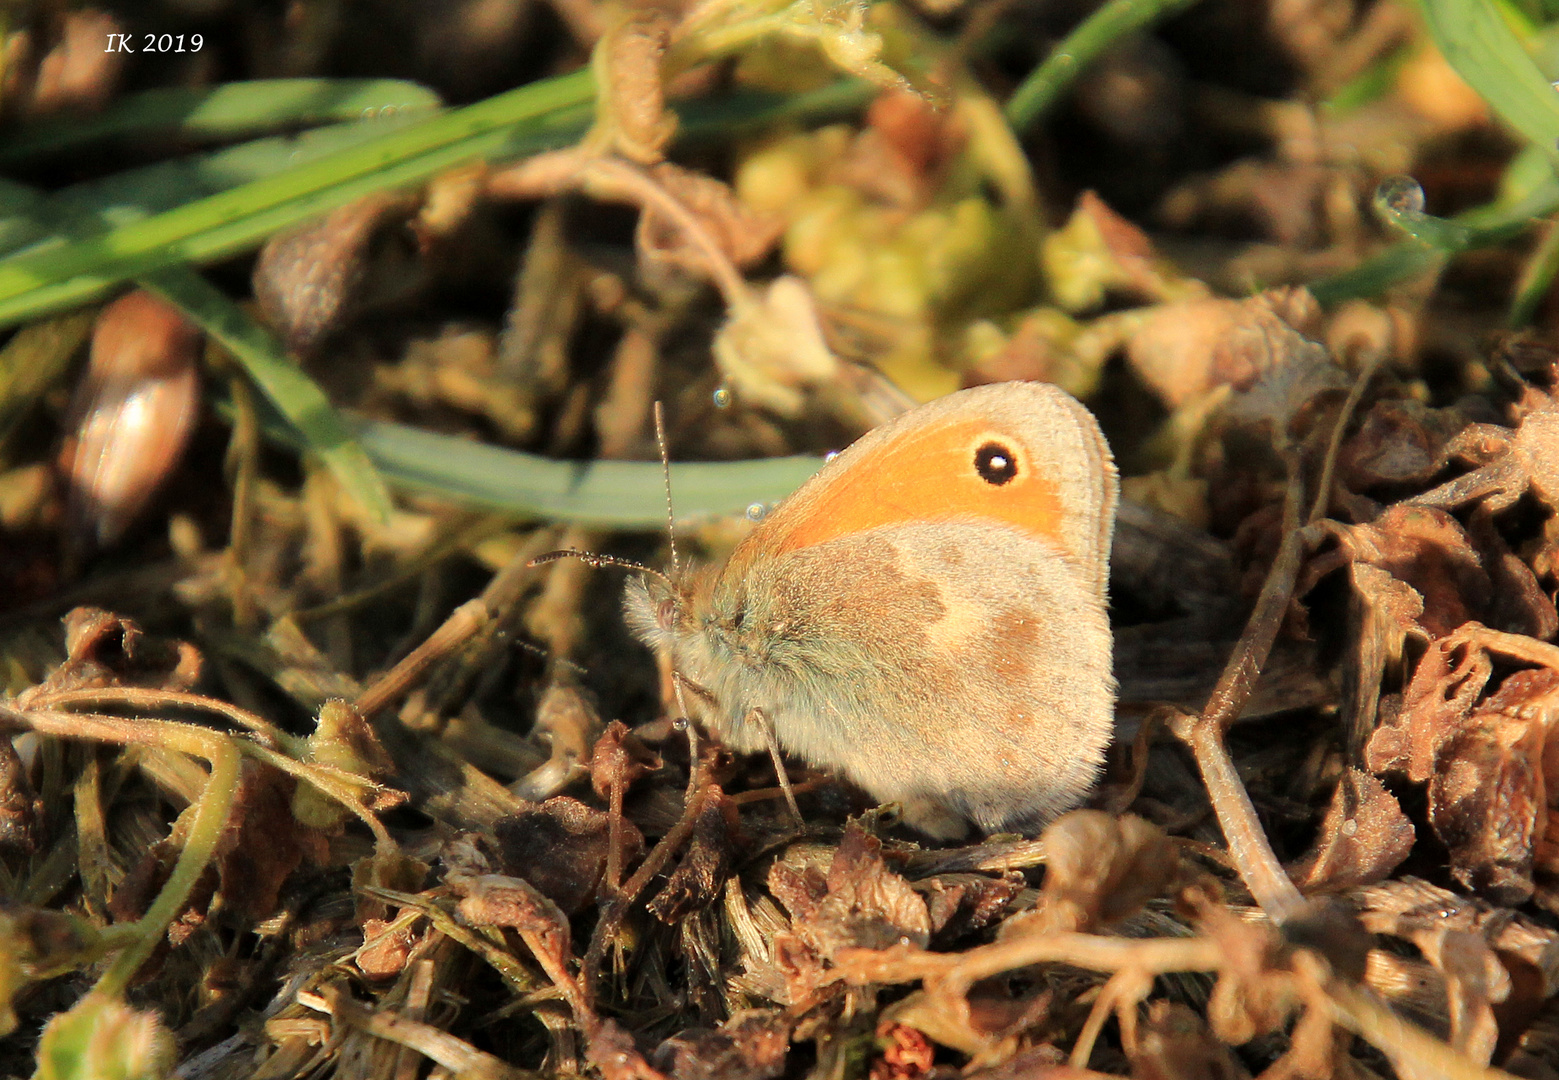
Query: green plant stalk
200, 845
166, 239
1086, 43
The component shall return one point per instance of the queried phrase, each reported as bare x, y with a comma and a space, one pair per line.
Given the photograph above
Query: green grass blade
1086, 43
1399, 201
227, 111
1480, 227
135, 194
174, 237
220, 238
1475, 38
609, 494
293, 393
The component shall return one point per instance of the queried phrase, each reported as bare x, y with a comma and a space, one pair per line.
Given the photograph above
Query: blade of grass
138, 193
1086, 43
607, 494
1477, 41
173, 237
225, 111
1479, 227
220, 238
294, 395
291, 391
1399, 201
1537, 279
616, 494
546, 130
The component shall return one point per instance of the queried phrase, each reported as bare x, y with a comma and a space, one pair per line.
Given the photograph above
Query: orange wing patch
925, 476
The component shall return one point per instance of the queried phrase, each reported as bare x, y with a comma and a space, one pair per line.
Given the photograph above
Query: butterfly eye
995, 463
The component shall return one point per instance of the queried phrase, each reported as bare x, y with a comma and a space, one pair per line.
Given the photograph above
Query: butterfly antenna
665, 471
590, 558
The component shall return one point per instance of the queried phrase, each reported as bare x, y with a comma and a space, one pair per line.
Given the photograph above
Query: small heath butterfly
926, 615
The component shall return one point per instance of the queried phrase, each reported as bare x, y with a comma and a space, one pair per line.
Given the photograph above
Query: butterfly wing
1023, 453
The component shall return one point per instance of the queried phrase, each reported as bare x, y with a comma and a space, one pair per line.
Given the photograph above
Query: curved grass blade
615, 494
226, 111
292, 392
1476, 41
1086, 43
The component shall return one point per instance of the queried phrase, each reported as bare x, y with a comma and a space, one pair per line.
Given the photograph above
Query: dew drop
722, 397
830, 456
1350, 827
1400, 195
757, 511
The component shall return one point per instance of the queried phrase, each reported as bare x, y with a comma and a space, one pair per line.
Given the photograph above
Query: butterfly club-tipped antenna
665, 472
591, 558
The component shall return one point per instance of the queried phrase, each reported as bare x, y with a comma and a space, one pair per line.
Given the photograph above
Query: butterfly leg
759, 717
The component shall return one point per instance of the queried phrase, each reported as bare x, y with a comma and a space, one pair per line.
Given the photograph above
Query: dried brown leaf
1487, 762
858, 903
619, 759
634, 119
312, 279
1363, 838
560, 846
1186, 348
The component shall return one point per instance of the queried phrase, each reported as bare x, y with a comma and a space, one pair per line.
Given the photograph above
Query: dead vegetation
299, 792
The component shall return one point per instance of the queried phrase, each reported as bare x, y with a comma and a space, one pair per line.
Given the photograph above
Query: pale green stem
211, 814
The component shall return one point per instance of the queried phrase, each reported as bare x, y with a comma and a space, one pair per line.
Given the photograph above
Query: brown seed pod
131, 415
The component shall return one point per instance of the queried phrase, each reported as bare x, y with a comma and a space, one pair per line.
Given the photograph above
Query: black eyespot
995, 464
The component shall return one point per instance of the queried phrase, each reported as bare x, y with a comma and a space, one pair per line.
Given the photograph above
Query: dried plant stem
136, 697
616, 180
614, 845
465, 622
1248, 848
1150, 956
456, 1055
1323, 490
1412, 1050
612, 918
344, 787
1253, 856
1125, 990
